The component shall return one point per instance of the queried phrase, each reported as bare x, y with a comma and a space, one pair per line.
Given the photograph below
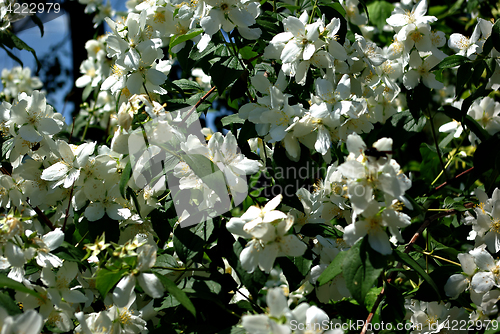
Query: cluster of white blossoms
268, 230
368, 190
279, 318
480, 271
52, 185
436, 317
18, 80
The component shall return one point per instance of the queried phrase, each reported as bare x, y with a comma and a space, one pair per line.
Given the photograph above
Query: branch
453, 179
408, 248
43, 217
200, 101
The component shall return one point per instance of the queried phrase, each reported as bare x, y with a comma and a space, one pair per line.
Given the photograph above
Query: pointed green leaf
333, 269
451, 61
362, 267
107, 279
126, 175
183, 38
178, 294
410, 262
6, 282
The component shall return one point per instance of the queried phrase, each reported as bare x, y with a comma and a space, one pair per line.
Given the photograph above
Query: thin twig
200, 101
451, 180
408, 248
43, 217
69, 205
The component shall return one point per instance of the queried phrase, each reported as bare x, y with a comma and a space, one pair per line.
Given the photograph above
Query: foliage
354, 181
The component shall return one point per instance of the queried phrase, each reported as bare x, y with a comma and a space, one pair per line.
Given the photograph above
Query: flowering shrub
354, 187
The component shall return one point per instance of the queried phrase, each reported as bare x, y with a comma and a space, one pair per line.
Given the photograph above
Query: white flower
266, 323
485, 111
254, 217
268, 243
29, 322
372, 223
45, 245
230, 162
148, 281
483, 281
458, 283
59, 289
230, 14
408, 20
67, 171
464, 46
299, 38
420, 71
34, 117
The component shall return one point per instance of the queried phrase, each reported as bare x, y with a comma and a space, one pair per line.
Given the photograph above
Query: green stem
443, 167
315, 5
91, 114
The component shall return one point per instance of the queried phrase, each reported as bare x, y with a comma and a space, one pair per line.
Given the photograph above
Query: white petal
48, 126
55, 172
151, 284
411, 79
267, 256
455, 285
309, 51
28, 132
292, 246
290, 52
379, 241
482, 282
94, 211
54, 239
123, 290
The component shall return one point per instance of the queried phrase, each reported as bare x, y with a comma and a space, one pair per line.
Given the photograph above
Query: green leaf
183, 38
362, 267
480, 92
6, 282
232, 119
419, 99
475, 127
451, 61
168, 302
6, 147
11, 55
371, 297
38, 22
70, 253
21, 45
9, 304
224, 73
106, 279
477, 73
293, 276
178, 294
410, 262
333, 269
126, 175
164, 262
495, 35
185, 84
379, 11
365, 9
189, 242
463, 77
